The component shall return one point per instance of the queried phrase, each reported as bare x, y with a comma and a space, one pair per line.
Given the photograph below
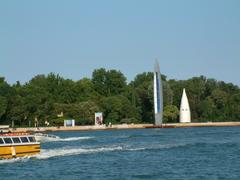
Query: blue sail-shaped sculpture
158, 95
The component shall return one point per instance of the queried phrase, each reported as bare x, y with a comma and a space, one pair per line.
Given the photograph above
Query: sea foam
55, 139
67, 151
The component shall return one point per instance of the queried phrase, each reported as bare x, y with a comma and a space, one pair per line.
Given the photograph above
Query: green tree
234, 103
109, 83
170, 114
99, 80
207, 110
116, 108
220, 99
3, 106
85, 91
45, 96
143, 85
195, 88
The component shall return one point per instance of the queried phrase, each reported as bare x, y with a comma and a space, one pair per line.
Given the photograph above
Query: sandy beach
125, 126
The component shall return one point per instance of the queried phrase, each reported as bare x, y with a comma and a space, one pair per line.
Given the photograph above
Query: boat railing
46, 135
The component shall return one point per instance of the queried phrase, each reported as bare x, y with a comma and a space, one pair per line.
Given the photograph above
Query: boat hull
13, 151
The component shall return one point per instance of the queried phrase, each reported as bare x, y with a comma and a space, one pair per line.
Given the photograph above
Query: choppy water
190, 153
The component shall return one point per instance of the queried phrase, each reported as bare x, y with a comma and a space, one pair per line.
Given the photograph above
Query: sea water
180, 153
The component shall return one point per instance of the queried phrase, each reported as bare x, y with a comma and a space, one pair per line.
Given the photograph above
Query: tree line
52, 98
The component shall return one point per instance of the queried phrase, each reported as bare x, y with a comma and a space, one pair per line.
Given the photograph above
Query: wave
73, 138
157, 147
178, 145
55, 139
70, 151
144, 136
65, 151
14, 160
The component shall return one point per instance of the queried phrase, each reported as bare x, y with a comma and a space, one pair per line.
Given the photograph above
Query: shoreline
125, 126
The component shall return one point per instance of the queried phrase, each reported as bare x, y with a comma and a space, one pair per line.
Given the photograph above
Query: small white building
185, 113
69, 123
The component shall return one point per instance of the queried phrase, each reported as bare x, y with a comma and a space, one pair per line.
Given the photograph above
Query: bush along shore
52, 98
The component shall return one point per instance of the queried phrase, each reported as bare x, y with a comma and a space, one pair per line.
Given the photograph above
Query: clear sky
74, 37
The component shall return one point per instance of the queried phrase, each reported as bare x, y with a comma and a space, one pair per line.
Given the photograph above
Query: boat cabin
16, 140
18, 145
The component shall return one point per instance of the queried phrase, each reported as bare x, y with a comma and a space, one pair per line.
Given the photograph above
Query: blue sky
72, 38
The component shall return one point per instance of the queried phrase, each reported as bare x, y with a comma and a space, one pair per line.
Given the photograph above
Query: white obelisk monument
185, 114
158, 97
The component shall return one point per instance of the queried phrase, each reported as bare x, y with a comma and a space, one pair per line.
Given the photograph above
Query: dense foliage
43, 98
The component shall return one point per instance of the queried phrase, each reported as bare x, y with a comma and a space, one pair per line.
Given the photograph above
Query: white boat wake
20, 159
68, 151
65, 151
71, 151
53, 138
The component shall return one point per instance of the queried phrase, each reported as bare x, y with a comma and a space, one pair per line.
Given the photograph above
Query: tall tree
109, 83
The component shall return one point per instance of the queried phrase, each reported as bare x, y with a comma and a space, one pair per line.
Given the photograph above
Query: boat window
24, 139
16, 140
32, 139
1, 141
8, 140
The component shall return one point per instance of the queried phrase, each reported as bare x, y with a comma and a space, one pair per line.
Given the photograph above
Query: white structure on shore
158, 97
185, 114
98, 118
